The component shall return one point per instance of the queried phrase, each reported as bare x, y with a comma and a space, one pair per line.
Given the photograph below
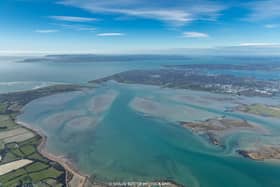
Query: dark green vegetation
189, 79
38, 172
42, 171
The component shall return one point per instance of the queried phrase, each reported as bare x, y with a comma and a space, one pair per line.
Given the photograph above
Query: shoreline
64, 162
82, 178
13, 106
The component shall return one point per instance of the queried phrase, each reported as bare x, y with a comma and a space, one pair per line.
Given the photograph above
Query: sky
139, 26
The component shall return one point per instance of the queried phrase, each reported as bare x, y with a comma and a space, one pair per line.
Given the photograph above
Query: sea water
119, 143
125, 145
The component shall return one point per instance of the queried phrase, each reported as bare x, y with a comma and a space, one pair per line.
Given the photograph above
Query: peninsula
193, 80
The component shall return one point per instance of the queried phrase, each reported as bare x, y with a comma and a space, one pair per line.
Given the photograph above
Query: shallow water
120, 142
126, 145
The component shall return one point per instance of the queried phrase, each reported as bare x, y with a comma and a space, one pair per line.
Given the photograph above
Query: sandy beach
59, 159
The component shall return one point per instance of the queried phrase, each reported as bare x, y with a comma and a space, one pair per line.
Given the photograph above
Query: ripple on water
125, 145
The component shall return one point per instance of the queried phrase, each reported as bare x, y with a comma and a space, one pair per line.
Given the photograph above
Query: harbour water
112, 140
122, 144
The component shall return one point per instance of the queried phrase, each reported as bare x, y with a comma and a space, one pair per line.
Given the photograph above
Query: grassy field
36, 167
6, 122
40, 170
2, 107
45, 174
263, 110
14, 146
9, 178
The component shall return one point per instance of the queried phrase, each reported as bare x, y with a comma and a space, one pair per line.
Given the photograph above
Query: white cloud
179, 12
164, 15
73, 18
271, 26
111, 34
45, 31
262, 10
76, 27
195, 35
259, 44
86, 29
44, 52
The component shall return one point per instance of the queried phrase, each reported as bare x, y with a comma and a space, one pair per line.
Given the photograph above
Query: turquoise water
129, 146
118, 143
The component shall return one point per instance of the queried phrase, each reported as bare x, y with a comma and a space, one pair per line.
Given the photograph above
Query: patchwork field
22, 164
11, 166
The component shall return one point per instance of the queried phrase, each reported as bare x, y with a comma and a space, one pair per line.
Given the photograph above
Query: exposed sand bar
101, 103
173, 112
6, 168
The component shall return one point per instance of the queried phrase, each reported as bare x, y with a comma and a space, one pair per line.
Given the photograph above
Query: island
215, 129
267, 152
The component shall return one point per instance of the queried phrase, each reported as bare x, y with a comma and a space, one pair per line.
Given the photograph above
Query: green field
37, 173
2, 107
9, 178
41, 168
37, 166
6, 122
28, 149
45, 174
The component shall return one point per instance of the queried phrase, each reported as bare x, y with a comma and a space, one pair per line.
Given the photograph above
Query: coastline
82, 178
64, 162
13, 105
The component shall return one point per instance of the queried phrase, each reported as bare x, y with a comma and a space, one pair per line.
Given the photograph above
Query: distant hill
103, 58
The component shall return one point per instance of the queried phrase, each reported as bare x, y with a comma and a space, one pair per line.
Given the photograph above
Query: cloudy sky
135, 26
